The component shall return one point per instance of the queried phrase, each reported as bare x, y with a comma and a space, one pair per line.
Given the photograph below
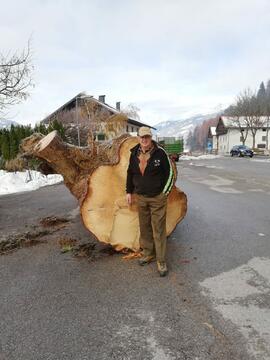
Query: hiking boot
146, 259
162, 268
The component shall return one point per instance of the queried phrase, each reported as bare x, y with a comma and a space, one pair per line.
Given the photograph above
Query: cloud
169, 58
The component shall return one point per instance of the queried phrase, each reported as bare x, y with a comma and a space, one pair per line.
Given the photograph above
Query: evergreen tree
263, 99
268, 89
1, 132
10, 138
57, 125
41, 128
28, 130
5, 147
261, 94
13, 142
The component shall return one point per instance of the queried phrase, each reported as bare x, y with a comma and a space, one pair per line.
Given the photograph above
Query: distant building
169, 139
83, 112
228, 134
212, 140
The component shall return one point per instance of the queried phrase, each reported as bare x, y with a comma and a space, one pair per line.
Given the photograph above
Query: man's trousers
152, 219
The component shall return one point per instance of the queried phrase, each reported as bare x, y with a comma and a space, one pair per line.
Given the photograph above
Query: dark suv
241, 150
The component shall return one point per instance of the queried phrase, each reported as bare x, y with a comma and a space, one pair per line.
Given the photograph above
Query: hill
181, 128
5, 124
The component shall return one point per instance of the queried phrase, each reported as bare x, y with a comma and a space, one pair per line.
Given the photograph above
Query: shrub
17, 164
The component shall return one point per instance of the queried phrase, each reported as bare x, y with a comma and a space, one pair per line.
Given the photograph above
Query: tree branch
15, 77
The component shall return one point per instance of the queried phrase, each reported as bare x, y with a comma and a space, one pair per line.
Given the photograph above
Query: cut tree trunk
98, 182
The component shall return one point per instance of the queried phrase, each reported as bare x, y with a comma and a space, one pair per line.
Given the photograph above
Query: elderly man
150, 176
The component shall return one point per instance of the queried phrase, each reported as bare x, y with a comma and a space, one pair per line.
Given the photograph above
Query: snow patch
200, 157
14, 182
261, 160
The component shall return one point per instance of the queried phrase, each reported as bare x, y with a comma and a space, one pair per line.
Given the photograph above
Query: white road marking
242, 296
219, 184
213, 167
217, 181
227, 190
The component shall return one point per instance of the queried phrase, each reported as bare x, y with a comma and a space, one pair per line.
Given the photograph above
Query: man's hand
129, 199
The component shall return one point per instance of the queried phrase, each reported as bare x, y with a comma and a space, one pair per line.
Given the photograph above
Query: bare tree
15, 77
236, 114
100, 121
247, 114
132, 111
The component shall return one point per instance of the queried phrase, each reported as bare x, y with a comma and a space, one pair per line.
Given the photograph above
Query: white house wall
214, 143
227, 141
132, 128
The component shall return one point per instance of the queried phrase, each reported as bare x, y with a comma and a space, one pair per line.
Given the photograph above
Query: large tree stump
98, 182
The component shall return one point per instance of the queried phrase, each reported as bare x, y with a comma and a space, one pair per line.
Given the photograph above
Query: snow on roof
213, 130
234, 121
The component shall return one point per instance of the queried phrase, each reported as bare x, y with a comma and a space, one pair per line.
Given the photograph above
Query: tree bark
98, 182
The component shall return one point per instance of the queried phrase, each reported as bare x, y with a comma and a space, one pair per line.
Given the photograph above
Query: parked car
241, 150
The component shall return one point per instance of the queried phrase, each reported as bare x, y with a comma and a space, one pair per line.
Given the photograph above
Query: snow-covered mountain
5, 124
181, 128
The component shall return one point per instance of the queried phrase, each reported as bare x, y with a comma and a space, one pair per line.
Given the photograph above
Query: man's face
145, 141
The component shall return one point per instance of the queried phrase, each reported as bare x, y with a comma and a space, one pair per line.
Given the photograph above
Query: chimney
118, 106
101, 98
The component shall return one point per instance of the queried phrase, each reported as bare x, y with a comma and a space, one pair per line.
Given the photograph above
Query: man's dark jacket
158, 175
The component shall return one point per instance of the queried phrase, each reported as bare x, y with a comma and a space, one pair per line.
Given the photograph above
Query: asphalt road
214, 304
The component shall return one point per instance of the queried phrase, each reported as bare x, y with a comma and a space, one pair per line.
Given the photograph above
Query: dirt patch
93, 250
33, 236
16, 241
53, 221
63, 232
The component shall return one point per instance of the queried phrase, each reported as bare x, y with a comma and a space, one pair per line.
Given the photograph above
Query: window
131, 128
261, 146
127, 128
263, 129
263, 138
100, 137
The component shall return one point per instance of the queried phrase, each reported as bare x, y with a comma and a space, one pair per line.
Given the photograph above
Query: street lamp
77, 121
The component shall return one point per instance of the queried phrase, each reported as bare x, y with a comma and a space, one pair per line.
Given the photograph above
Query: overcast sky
171, 58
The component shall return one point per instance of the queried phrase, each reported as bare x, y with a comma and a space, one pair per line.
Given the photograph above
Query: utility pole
267, 133
77, 121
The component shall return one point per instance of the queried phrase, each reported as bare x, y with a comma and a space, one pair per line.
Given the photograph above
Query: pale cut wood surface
105, 211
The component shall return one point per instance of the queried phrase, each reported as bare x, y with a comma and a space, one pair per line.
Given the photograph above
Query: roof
235, 122
213, 130
83, 95
69, 102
